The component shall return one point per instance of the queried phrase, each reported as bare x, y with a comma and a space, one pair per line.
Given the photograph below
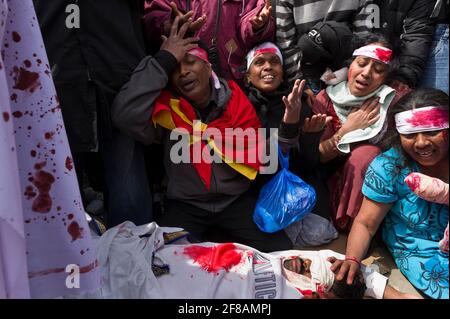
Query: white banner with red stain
42, 219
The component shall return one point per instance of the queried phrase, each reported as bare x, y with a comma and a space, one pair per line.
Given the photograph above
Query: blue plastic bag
285, 199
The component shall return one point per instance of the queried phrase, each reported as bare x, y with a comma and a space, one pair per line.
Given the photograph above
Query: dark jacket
131, 114
89, 64
304, 157
270, 109
407, 24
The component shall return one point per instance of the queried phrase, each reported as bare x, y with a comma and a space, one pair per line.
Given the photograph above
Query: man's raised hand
175, 42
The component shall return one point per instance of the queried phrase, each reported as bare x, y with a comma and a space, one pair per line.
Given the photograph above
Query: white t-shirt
211, 270
130, 256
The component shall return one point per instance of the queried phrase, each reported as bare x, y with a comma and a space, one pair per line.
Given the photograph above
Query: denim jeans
436, 71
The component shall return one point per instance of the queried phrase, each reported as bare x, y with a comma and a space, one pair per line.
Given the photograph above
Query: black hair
368, 38
343, 290
202, 45
414, 100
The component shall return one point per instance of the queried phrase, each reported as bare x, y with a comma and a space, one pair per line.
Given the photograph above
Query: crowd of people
354, 92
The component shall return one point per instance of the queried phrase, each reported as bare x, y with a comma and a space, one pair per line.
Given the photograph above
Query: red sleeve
156, 12
248, 37
323, 105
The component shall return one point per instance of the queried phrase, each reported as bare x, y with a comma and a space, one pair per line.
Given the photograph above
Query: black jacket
407, 24
304, 156
91, 63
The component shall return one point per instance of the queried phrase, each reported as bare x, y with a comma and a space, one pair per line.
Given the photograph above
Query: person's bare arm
369, 218
392, 293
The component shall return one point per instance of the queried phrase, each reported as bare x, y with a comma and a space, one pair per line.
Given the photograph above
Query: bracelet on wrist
354, 259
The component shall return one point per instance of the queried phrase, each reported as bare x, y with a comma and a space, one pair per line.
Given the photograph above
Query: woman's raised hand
316, 123
293, 103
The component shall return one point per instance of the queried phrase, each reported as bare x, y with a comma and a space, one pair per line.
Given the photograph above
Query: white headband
266, 47
424, 119
376, 52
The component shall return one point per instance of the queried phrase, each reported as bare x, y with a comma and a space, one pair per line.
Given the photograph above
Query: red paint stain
25, 80
33, 153
40, 165
69, 163
75, 231
43, 182
27, 63
45, 272
16, 36
83, 270
14, 97
212, 259
6, 116
17, 114
49, 135
70, 216
89, 267
413, 181
434, 118
29, 192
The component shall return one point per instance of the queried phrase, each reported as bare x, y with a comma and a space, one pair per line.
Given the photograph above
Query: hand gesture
316, 123
175, 44
311, 98
363, 117
293, 103
195, 25
344, 267
260, 20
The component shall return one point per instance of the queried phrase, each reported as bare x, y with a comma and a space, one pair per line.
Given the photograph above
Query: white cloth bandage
266, 47
376, 52
425, 119
322, 278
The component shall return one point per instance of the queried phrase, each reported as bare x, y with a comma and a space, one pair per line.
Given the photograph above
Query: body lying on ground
149, 261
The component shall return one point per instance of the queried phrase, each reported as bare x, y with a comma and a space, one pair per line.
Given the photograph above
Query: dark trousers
235, 224
129, 195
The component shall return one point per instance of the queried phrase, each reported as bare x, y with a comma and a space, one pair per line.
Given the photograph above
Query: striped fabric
295, 17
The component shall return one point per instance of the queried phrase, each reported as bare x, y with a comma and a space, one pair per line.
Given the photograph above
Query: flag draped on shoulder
233, 137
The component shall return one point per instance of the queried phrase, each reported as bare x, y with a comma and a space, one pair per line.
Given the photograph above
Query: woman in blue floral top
412, 226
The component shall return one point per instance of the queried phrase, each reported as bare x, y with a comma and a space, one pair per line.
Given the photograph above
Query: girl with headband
358, 107
413, 226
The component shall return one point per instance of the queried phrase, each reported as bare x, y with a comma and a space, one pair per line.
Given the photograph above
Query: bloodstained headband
376, 52
202, 55
424, 119
266, 47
